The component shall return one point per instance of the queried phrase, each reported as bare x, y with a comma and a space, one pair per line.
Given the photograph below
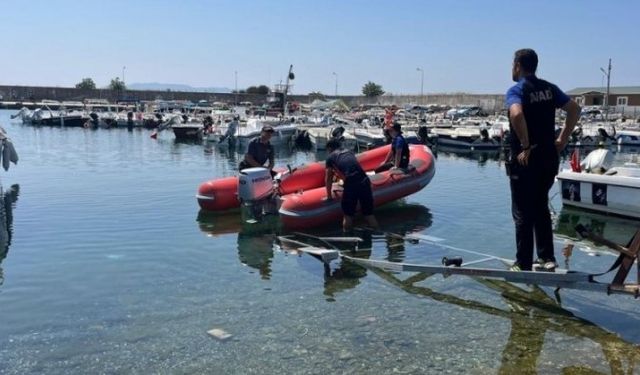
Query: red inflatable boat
310, 208
222, 193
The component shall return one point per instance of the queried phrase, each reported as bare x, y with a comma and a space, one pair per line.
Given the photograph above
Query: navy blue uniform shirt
539, 100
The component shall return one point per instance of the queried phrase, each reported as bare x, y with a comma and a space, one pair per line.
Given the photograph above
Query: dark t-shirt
400, 143
539, 100
261, 152
345, 162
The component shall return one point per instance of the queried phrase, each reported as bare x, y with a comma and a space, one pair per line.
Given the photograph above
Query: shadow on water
533, 314
7, 205
256, 240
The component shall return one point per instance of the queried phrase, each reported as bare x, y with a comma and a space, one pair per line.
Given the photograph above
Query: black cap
268, 129
397, 127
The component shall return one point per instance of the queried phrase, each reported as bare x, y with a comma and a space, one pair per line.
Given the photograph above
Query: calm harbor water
107, 266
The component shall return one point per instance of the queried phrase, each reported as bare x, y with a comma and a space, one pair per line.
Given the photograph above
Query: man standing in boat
260, 151
398, 156
534, 161
357, 186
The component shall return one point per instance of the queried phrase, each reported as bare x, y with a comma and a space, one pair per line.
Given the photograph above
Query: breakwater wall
18, 94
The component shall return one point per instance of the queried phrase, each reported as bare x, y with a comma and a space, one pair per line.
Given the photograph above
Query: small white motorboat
614, 190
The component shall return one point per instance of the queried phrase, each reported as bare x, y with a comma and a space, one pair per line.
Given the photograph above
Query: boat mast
290, 76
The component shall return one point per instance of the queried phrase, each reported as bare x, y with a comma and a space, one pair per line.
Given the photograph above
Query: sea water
107, 266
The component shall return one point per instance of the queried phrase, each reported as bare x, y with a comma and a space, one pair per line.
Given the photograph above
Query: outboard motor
255, 192
157, 121
129, 121
94, 120
302, 139
337, 134
484, 135
254, 184
598, 161
603, 134
423, 134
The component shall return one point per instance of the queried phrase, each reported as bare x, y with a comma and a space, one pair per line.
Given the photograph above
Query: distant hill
175, 87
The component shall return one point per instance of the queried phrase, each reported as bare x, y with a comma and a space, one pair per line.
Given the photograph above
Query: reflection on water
481, 156
256, 240
9, 199
613, 228
127, 284
533, 314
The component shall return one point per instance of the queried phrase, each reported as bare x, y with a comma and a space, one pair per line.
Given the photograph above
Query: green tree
117, 85
316, 95
262, 89
372, 89
86, 83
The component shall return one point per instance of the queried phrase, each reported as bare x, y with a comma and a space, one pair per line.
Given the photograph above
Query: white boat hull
617, 194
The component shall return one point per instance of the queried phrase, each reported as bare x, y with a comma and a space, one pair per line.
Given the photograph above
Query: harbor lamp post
336, 91
235, 73
606, 98
123, 68
421, 84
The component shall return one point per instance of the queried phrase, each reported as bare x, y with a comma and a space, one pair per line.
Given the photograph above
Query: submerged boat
301, 192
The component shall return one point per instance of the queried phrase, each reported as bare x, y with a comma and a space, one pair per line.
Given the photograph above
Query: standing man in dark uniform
534, 161
357, 186
398, 156
260, 151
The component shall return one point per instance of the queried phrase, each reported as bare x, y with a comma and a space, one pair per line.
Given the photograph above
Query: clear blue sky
463, 46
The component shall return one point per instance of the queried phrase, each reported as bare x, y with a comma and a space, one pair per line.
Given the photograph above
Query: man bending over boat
398, 156
357, 186
260, 151
534, 161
